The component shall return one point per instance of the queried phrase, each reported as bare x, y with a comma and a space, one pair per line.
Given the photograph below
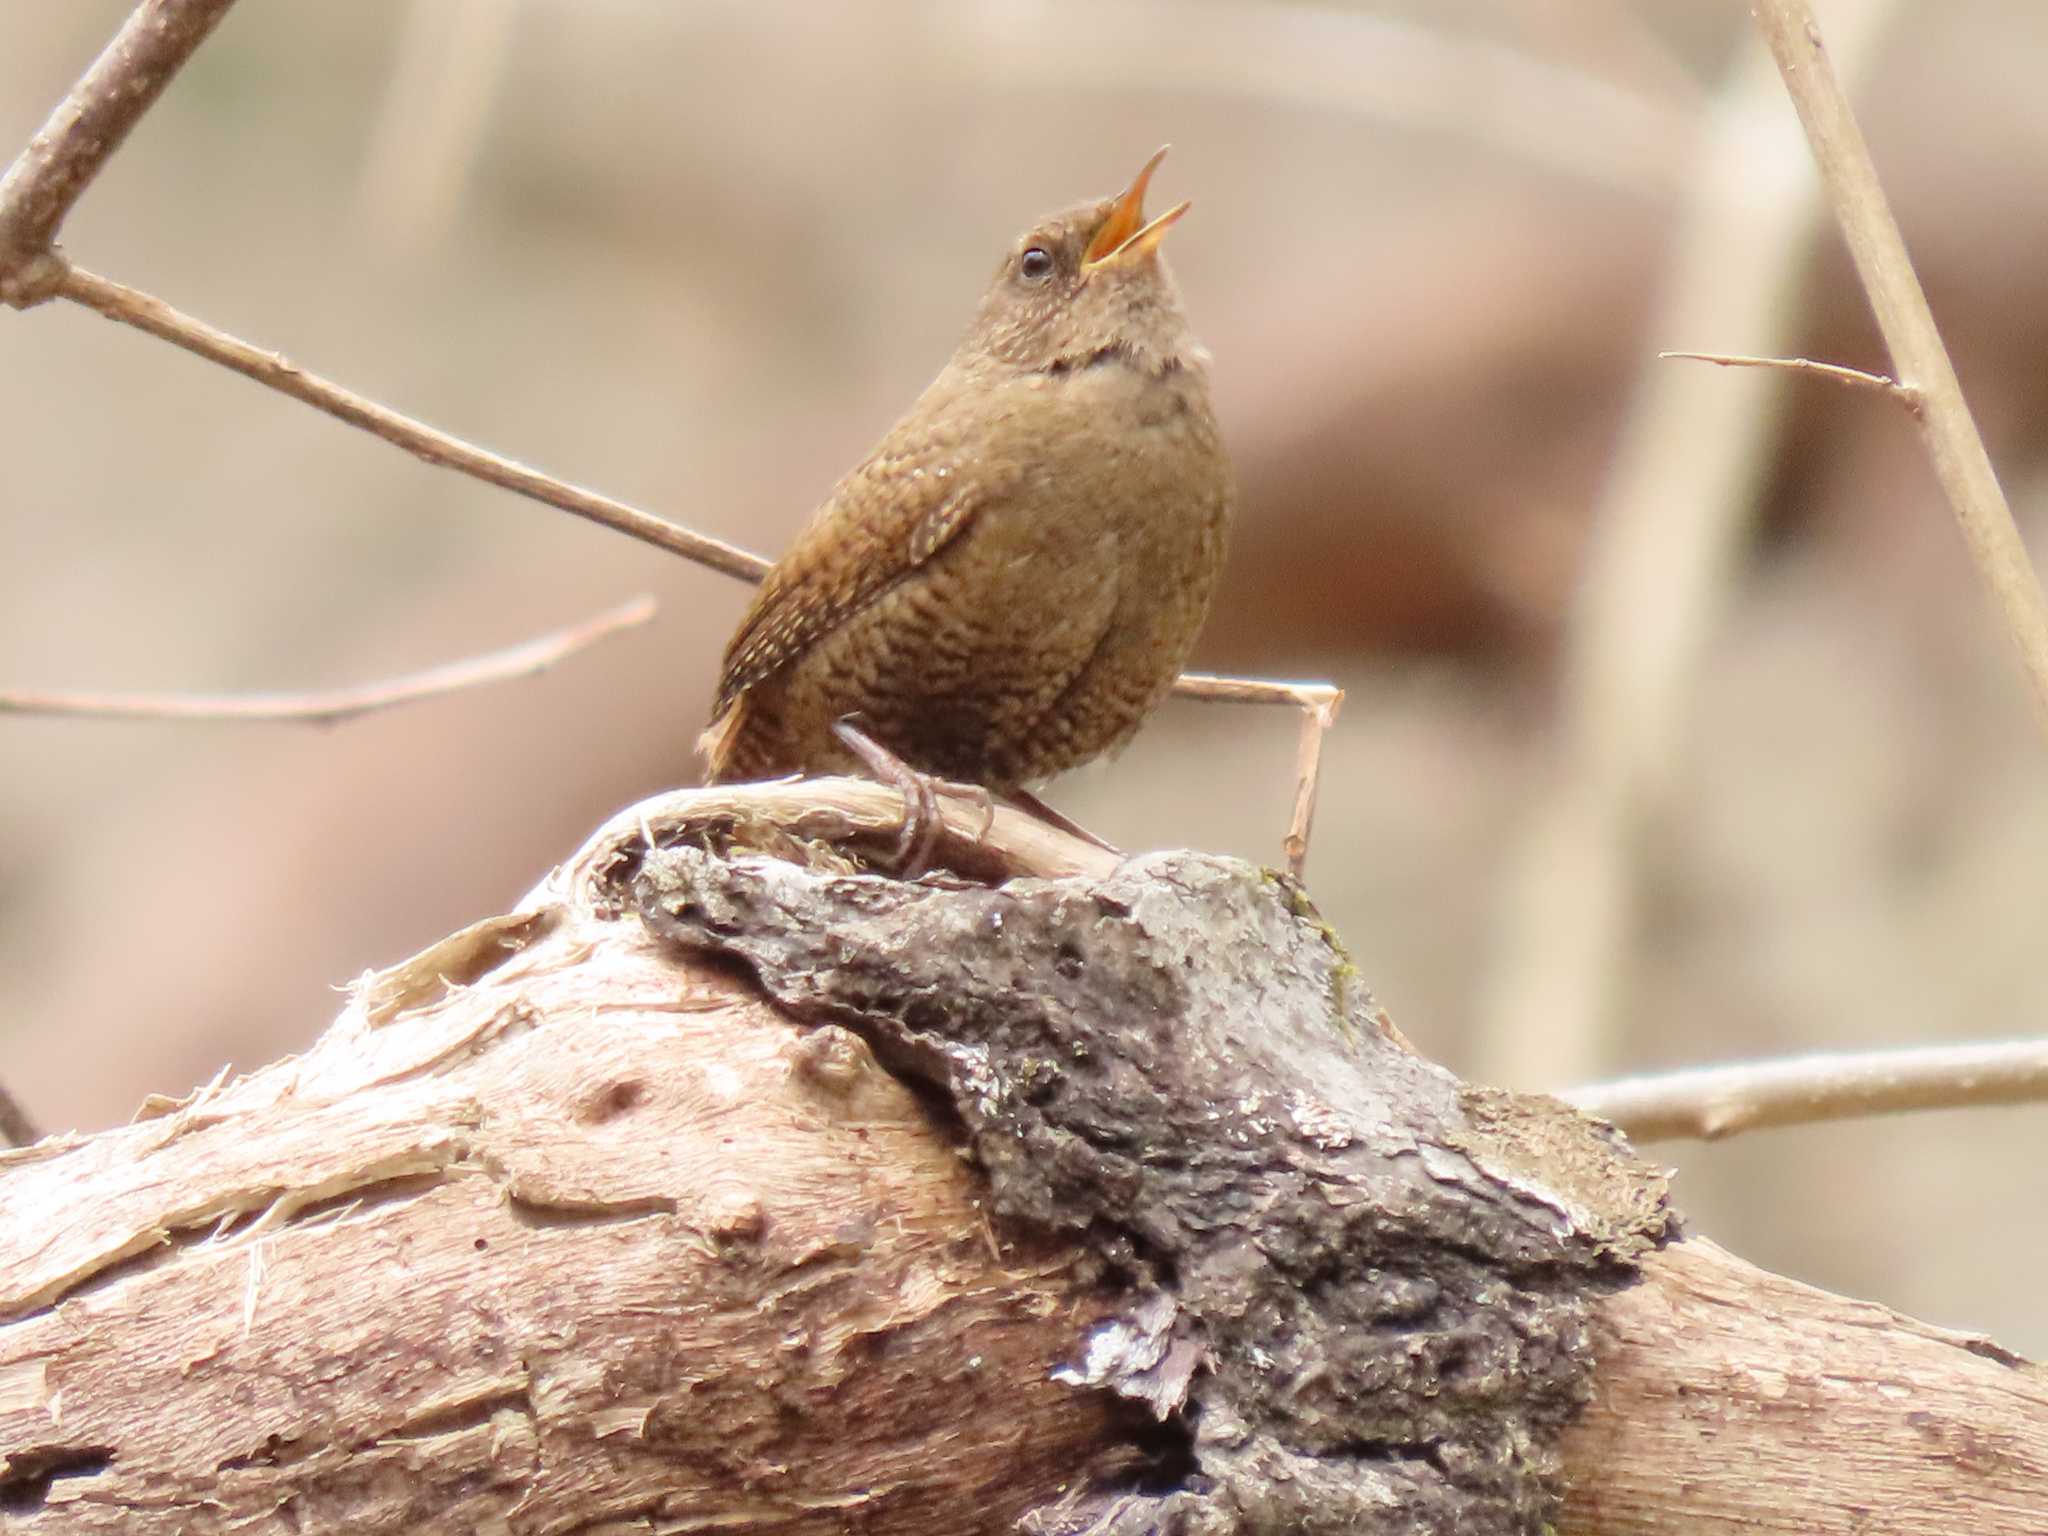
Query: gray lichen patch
1358, 1295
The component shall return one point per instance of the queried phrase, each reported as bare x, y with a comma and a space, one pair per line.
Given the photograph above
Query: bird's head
1085, 286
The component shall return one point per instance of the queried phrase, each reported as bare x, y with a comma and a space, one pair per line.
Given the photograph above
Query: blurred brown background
699, 255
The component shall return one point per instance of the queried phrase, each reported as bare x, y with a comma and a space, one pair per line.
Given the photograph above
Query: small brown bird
1012, 580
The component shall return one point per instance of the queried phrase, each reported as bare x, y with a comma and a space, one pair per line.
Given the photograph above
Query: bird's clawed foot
922, 823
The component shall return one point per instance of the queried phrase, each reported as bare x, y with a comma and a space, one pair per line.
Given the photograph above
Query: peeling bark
814, 1201
1358, 1292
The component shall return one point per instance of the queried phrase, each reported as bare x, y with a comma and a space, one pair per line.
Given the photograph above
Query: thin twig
145, 313
1661, 554
1708, 1103
1856, 378
1918, 356
87, 126
1316, 720
1318, 703
1213, 688
526, 659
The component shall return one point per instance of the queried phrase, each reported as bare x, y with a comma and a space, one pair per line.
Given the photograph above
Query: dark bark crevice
1359, 1290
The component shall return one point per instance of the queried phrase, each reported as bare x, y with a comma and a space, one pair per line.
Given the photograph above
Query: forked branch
86, 128
1918, 355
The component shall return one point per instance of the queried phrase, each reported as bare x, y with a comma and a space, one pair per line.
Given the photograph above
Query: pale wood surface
1732, 1399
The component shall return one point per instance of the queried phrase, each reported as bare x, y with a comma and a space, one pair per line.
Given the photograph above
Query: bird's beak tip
1125, 230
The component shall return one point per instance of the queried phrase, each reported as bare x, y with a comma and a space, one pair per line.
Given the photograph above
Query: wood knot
829, 1057
735, 1216
610, 1102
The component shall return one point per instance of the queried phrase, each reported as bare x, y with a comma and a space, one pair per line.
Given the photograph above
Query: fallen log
722, 1185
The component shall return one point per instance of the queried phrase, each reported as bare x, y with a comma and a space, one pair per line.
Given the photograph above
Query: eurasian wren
1012, 580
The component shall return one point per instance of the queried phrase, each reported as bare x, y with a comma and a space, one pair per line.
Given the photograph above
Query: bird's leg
1026, 801
921, 820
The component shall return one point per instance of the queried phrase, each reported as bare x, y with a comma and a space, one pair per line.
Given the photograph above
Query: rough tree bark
731, 1189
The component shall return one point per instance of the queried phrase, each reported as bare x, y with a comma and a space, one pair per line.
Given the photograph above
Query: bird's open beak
1124, 234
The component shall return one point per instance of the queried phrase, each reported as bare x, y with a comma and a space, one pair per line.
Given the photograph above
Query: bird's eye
1035, 265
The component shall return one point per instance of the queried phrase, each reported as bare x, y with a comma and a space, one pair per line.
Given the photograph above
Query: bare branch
1318, 703
527, 659
1708, 1103
1661, 555
1214, 688
1316, 718
131, 307
1921, 361
87, 127
1856, 378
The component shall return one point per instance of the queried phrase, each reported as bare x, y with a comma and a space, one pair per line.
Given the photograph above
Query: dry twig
48, 178
1316, 719
87, 127
1662, 547
329, 707
1319, 704
1918, 356
1856, 378
1708, 1103
131, 307
1664, 537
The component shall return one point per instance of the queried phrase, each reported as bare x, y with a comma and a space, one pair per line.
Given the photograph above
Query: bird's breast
1117, 449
